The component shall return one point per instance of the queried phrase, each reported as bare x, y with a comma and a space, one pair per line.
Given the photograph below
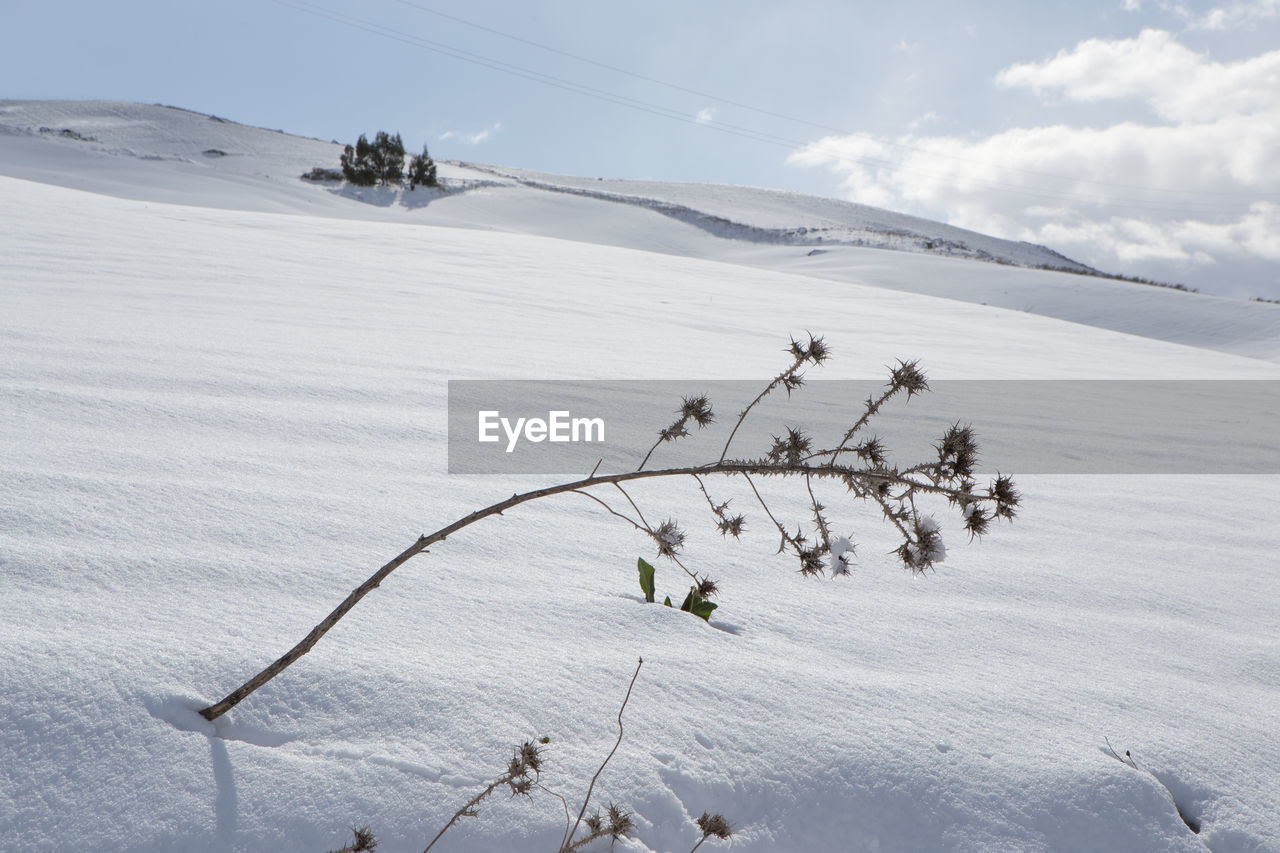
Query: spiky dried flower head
812, 560
815, 351
669, 538
818, 350
697, 409
957, 452
977, 520
530, 756
791, 447
908, 376
526, 761
714, 826
707, 588
872, 451
792, 381
1005, 495
620, 822
363, 840
731, 525
671, 433
925, 548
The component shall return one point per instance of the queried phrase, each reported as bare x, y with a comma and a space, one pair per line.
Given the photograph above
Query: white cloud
705, 115
1241, 13
917, 123
471, 138
1194, 183
1176, 82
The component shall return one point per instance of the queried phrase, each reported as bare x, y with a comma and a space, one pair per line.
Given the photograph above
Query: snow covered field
222, 406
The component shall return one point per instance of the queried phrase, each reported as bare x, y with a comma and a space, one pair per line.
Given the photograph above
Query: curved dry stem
590, 788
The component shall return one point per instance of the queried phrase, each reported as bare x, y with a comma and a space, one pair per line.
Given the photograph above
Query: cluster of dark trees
366, 163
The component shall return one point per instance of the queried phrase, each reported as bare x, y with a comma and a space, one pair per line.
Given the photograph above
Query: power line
806, 122
723, 127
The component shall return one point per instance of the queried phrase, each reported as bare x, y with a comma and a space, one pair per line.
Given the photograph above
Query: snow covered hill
155, 153
181, 145
223, 404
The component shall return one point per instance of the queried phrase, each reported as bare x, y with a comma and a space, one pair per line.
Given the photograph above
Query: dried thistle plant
523, 774
520, 778
712, 826
858, 463
614, 822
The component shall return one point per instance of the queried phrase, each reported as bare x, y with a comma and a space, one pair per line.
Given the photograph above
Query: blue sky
1142, 136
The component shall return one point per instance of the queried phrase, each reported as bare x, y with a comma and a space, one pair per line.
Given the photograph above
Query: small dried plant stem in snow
712, 826
815, 352
527, 760
466, 811
908, 377
569, 842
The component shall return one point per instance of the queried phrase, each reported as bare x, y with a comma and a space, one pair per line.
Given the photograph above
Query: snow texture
222, 406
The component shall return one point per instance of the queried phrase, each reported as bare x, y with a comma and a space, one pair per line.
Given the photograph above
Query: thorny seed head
957, 452
670, 538
790, 448
792, 381
530, 756
1005, 496
364, 839
671, 433
871, 450
594, 824
815, 351
818, 350
977, 520
697, 409
707, 588
620, 822
811, 560
528, 759
926, 549
731, 525
714, 826
908, 376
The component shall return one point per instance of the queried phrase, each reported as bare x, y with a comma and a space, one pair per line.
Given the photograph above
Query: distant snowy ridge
736, 213
165, 154
878, 229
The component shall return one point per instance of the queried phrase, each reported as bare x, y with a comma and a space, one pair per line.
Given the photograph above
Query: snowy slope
154, 153
188, 143
216, 422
